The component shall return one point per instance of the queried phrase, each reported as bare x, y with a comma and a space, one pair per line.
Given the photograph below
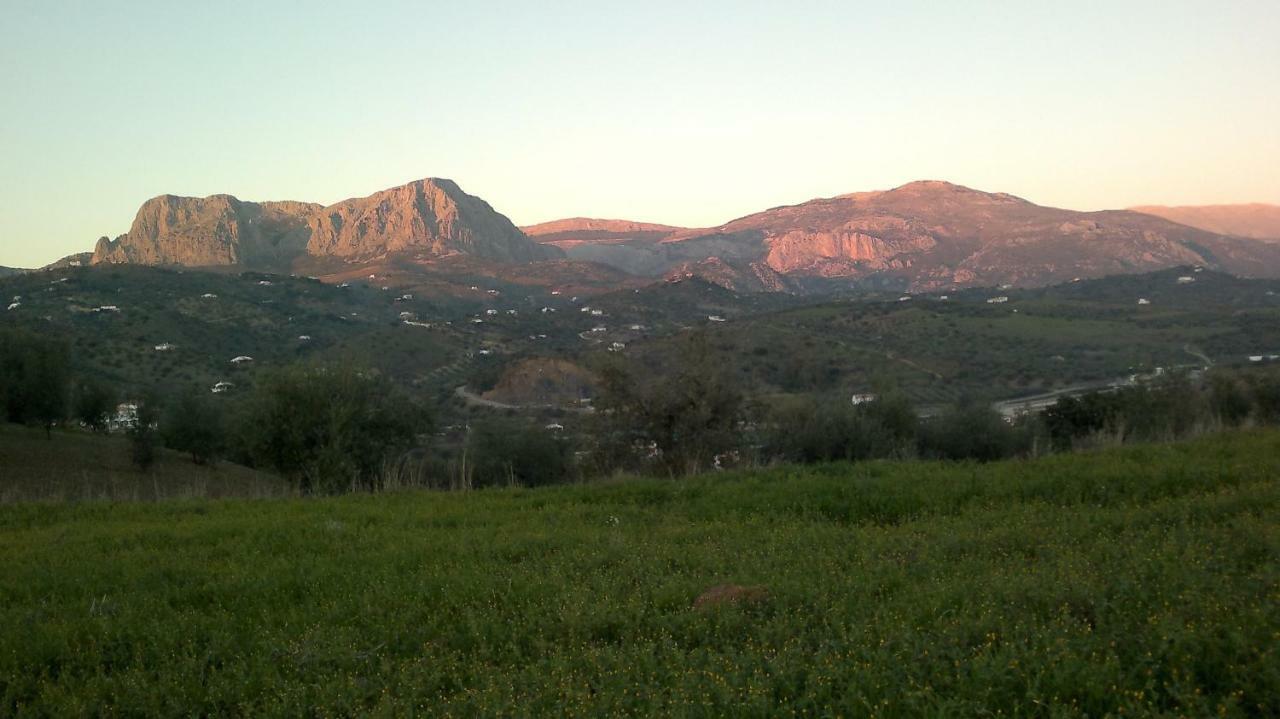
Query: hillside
1259, 221
930, 236
453, 322
75, 466
1138, 581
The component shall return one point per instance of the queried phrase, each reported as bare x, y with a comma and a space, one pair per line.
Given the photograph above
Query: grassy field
73, 466
1138, 581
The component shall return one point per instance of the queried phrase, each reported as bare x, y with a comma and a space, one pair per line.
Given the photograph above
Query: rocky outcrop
204, 231
432, 216
1256, 220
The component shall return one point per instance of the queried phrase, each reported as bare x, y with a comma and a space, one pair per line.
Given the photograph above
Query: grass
71, 466
1136, 581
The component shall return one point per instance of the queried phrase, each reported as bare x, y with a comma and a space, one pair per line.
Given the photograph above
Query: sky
687, 113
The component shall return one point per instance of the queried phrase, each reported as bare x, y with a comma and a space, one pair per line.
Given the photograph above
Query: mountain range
926, 235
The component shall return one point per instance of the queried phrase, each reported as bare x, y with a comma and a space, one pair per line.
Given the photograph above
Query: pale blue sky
688, 113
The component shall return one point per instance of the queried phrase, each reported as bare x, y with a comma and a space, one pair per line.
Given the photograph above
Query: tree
195, 424
689, 415
506, 451
33, 378
328, 427
142, 431
93, 403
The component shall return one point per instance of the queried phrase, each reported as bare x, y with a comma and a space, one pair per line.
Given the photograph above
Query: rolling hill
1258, 221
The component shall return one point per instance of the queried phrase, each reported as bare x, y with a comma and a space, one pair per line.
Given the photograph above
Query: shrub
512, 452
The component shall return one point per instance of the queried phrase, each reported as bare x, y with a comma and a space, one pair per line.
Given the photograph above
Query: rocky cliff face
433, 216
931, 235
203, 231
1256, 220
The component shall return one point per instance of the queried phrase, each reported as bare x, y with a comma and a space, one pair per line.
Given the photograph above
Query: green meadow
1137, 581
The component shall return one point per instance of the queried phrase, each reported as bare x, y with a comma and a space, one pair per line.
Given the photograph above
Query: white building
241, 359
998, 300
165, 347
863, 398
222, 387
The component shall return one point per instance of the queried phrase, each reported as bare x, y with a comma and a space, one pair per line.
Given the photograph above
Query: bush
511, 452
93, 404
687, 416
330, 428
975, 431
837, 430
34, 378
195, 424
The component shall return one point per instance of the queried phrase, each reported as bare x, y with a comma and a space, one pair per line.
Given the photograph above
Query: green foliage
330, 428
975, 431
142, 432
511, 452
34, 378
93, 403
195, 424
813, 431
1131, 582
690, 413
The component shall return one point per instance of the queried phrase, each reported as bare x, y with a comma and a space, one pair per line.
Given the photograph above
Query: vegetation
329, 428
1133, 581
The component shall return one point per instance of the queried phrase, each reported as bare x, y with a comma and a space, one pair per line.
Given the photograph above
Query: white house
264, 283
512, 312
555, 427
491, 312
304, 338
208, 296
600, 328
617, 347
222, 387
106, 308
1186, 280
1144, 301
863, 398
998, 300
241, 359
165, 347
905, 298
555, 292
14, 305
715, 318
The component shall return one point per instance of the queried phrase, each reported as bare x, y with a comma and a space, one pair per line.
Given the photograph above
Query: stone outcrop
204, 231
433, 216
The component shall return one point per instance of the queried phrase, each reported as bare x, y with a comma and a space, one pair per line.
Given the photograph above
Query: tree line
339, 428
